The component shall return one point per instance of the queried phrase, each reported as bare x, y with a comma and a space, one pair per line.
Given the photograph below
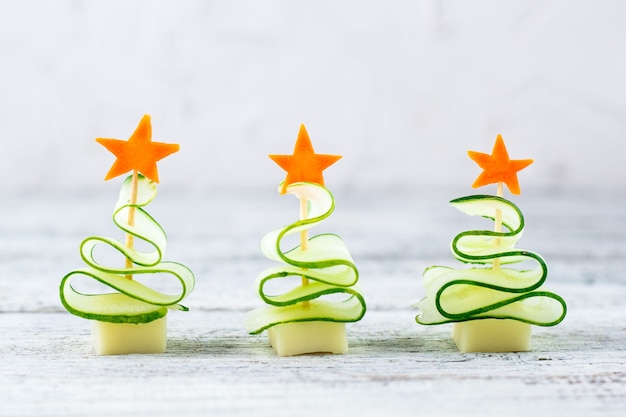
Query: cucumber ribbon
459, 295
133, 302
326, 262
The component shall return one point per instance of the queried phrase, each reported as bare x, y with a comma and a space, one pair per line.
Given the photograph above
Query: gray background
402, 89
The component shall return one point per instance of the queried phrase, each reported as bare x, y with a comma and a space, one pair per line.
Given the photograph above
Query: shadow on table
553, 340
243, 345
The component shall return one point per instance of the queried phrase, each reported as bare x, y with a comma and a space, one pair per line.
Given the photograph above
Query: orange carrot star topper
498, 168
138, 154
304, 166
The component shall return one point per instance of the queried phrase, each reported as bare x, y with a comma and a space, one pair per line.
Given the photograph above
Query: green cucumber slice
326, 262
459, 295
133, 302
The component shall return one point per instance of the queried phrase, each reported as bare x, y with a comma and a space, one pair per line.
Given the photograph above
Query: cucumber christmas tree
493, 305
308, 318
131, 319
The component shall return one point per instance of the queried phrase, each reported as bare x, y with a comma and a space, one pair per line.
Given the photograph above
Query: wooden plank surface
394, 366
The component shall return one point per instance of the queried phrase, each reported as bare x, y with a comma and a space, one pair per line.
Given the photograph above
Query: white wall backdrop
401, 88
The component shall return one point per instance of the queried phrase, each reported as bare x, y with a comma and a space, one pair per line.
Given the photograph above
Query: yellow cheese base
308, 337
125, 338
492, 335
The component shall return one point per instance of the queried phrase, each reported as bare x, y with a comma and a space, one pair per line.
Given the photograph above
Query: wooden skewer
131, 217
304, 238
498, 228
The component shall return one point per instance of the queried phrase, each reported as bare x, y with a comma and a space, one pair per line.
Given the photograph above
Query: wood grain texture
394, 366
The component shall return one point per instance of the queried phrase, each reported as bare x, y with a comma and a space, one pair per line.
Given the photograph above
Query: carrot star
138, 152
497, 167
304, 164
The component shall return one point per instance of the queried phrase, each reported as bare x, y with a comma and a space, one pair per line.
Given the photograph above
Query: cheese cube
492, 335
124, 338
308, 337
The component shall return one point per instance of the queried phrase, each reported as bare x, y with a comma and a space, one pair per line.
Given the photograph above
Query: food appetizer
132, 318
491, 305
310, 317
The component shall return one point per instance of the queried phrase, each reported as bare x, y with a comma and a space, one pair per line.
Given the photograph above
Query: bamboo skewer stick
131, 217
498, 228
304, 238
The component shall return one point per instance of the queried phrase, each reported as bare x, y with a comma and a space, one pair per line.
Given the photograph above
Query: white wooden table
394, 367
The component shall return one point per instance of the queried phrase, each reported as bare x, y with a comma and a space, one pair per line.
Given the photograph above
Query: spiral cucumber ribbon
133, 302
478, 293
326, 262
